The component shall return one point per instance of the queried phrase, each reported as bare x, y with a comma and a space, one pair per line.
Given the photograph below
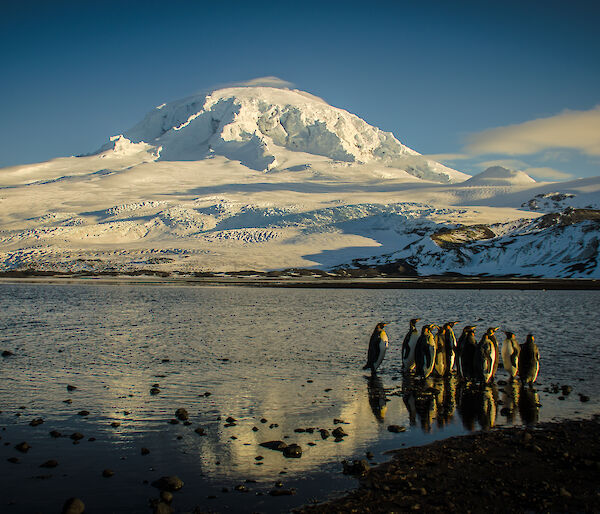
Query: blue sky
473, 83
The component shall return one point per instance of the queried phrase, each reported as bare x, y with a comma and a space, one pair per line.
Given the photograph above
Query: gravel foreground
551, 467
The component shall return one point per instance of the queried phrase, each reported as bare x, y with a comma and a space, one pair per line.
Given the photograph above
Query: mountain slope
259, 126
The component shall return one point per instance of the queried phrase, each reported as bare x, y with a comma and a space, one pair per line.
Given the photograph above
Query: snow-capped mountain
261, 178
256, 125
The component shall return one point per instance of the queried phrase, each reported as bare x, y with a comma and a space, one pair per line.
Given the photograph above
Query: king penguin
467, 345
495, 350
529, 361
483, 360
450, 346
440, 352
377, 347
425, 351
510, 354
409, 344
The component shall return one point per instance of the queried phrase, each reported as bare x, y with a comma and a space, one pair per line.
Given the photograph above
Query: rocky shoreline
551, 467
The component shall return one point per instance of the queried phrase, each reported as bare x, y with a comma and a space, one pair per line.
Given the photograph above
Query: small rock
356, 467
49, 464
230, 420
174, 421
115, 424
263, 420
254, 429
200, 431
169, 483
55, 433
7, 353
13, 460
76, 436
23, 447
396, 429
339, 422
293, 451
107, 473
583, 398
564, 493
273, 425
182, 414
527, 437
83, 413
324, 433
338, 433
282, 492
259, 457
369, 455
566, 390
71, 388
274, 445
144, 451
299, 430
241, 488
36, 422
154, 391
68, 400
73, 506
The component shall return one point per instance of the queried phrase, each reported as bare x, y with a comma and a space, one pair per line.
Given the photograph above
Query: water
290, 356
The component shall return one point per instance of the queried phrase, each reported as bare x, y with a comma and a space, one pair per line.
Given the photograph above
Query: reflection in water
377, 398
529, 405
437, 399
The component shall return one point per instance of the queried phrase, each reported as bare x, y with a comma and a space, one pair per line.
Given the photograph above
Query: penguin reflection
529, 405
409, 397
377, 398
510, 398
488, 400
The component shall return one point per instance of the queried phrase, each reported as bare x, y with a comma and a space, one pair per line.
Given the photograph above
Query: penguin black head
413, 321
470, 328
509, 335
491, 330
380, 326
451, 323
530, 338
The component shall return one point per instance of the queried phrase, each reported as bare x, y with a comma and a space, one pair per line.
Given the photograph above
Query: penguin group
437, 352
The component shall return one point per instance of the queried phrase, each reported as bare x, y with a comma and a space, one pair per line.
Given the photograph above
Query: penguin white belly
507, 355
383, 344
452, 356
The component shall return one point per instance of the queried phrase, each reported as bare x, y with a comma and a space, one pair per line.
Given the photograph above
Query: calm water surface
292, 357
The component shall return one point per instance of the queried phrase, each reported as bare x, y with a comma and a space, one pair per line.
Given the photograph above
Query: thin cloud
547, 173
270, 81
576, 130
447, 156
511, 164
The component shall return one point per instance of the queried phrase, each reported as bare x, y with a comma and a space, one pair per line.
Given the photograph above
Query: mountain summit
259, 126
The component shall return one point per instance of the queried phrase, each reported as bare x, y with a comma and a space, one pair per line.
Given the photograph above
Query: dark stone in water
339, 432
273, 425
566, 390
356, 467
241, 488
254, 429
115, 424
144, 451
200, 431
107, 473
583, 398
154, 391
299, 430
293, 451
13, 460
231, 420
7, 353
71, 388
282, 492
36, 422
396, 429
162, 508
182, 414
83, 413
174, 421
339, 422
76, 436
168, 483
263, 420
68, 401
49, 464
274, 445
73, 506
55, 433
23, 447
324, 433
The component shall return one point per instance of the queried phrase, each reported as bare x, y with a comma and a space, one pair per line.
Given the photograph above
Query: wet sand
551, 467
